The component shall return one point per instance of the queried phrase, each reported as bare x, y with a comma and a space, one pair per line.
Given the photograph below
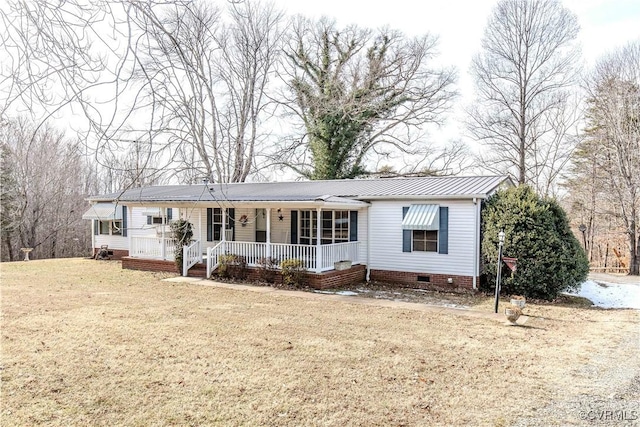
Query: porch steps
198, 270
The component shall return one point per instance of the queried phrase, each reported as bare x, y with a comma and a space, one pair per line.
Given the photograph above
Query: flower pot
342, 265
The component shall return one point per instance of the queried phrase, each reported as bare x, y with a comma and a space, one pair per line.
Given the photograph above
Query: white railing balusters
191, 255
150, 247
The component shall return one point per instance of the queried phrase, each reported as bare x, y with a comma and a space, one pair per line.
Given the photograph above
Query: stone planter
342, 265
518, 303
512, 313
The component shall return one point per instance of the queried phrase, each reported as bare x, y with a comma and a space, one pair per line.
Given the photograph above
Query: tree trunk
7, 241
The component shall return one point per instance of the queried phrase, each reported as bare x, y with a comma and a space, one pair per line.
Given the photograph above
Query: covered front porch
319, 234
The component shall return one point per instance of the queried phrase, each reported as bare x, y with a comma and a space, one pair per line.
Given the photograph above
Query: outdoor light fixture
280, 216
498, 269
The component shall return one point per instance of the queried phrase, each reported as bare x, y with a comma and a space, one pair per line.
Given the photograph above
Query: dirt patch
87, 343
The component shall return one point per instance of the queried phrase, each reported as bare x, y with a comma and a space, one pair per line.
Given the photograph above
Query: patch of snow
610, 295
324, 292
347, 293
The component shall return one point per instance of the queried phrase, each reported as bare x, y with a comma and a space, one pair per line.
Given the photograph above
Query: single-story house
419, 231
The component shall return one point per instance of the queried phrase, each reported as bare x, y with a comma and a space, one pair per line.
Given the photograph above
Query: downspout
476, 248
368, 278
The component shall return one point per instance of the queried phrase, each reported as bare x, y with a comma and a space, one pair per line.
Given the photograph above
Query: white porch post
223, 237
268, 232
163, 247
318, 241
129, 222
200, 223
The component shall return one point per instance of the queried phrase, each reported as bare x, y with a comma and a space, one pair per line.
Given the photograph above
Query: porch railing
151, 247
339, 252
191, 255
253, 252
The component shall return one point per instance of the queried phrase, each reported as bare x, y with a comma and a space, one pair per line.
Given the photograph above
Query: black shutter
124, 221
231, 220
443, 232
294, 227
96, 227
353, 226
169, 214
406, 234
209, 224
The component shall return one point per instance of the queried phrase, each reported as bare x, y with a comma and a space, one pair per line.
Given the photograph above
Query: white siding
386, 240
114, 242
362, 234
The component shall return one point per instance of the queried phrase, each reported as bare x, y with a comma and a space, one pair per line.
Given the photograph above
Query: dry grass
86, 343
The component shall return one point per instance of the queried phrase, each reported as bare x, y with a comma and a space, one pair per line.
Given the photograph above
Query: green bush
293, 272
550, 258
232, 266
182, 233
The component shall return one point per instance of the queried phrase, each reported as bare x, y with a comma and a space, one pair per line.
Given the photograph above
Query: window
116, 228
425, 228
425, 240
104, 227
308, 221
334, 227
113, 228
214, 224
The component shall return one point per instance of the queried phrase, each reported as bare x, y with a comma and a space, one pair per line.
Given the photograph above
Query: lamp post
500, 245
582, 229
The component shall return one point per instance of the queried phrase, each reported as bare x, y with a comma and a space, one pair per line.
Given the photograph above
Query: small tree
537, 232
182, 232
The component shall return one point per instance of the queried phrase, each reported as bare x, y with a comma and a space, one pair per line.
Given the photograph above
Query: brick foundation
437, 282
116, 254
326, 280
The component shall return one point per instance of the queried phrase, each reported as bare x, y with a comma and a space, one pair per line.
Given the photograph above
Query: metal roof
103, 212
422, 217
310, 191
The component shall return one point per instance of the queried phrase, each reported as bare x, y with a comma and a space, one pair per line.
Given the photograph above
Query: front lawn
87, 343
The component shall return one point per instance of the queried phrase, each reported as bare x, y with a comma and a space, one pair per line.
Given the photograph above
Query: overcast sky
459, 24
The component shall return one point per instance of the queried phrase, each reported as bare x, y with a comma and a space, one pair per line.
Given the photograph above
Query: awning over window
103, 212
422, 217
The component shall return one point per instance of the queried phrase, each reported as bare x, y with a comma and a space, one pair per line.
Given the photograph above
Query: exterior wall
386, 240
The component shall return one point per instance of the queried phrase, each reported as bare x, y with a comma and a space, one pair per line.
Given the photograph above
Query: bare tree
610, 153
524, 115
209, 78
354, 91
174, 74
47, 174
